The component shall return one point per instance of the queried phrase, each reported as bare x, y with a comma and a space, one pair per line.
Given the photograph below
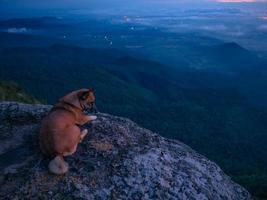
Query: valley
208, 93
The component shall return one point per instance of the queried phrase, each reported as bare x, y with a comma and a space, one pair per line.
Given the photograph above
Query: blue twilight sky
103, 3
10, 7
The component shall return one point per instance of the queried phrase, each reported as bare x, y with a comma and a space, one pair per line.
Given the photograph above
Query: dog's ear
75, 97
84, 95
91, 90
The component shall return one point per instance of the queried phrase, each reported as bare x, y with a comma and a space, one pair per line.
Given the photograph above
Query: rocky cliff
117, 160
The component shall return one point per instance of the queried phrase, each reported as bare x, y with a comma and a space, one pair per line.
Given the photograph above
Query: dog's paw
84, 132
93, 117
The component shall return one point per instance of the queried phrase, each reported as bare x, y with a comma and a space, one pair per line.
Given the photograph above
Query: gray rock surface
117, 160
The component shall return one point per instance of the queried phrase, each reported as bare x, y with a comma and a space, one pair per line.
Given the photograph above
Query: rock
117, 160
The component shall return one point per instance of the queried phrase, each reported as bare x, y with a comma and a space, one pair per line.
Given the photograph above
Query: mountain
118, 160
202, 107
230, 49
31, 23
234, 58
23, 40
56, 64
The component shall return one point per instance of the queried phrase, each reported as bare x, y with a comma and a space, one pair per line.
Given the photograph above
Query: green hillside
10, 91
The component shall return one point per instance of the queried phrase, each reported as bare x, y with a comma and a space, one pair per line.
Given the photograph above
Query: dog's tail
58, 165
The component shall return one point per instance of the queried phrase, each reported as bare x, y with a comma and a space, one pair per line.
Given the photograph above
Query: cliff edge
117, 160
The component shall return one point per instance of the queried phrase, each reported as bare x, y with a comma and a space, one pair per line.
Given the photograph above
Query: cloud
218, 27
17, 30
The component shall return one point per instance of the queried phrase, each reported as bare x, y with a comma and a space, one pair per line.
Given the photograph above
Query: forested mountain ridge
203, 108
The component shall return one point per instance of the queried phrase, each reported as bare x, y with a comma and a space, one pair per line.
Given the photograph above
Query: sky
65, 3
9, 7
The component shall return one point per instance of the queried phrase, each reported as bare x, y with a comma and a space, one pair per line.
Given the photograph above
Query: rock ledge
117, 160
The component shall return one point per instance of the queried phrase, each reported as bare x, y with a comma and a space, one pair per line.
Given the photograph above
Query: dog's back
55, 135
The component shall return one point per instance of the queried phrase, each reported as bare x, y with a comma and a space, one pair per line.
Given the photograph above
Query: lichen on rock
117, 160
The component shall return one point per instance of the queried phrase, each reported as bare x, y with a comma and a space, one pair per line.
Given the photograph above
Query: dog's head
83, 99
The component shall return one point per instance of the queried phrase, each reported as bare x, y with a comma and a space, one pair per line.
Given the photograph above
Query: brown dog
60, 134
